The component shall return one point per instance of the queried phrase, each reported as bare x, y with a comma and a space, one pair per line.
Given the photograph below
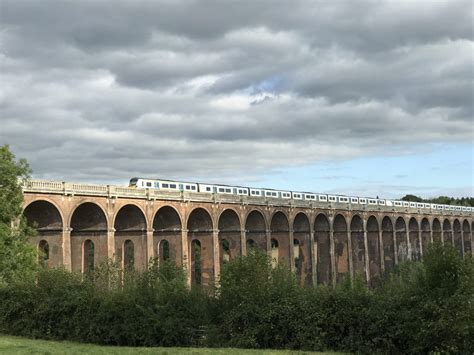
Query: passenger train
172, 185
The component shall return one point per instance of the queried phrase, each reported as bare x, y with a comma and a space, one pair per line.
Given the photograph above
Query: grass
17, 345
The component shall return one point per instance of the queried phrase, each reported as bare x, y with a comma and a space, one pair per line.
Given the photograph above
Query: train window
228, 190
157, 185
208, 189
332, 198
148, 184
354, 200
188, 187
193, 188
221, 189
172, 186
165, 186
362, 201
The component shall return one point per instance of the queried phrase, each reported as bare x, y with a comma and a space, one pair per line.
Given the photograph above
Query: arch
43, 216
358, 246
280, 232
167, 228
457, 236
341, 247
88, 223
130, 218
43, 253
130, 237
128, 255
425, 234
167, 219
256, 229
88, 257
196, 259
323, 244
163, 250
447, 232
229, 235
302, 248
388, 244
401, 239
373, 246
199, 221
200, 240
275, 251
46, 218
414, 238
250, 244
437, 234
466, 234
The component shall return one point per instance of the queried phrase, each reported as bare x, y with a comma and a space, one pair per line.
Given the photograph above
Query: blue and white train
172, 185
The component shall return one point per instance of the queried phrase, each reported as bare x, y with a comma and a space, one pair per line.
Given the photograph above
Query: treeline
421, 308
442, 200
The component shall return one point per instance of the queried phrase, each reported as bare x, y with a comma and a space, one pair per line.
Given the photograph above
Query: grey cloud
95, 89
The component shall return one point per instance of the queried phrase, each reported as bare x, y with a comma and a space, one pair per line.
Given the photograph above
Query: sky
369, 98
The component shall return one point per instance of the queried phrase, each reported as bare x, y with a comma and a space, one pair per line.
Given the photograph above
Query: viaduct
81, 225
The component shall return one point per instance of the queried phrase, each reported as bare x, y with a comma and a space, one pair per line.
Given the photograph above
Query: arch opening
341, 247
302, 249
229, 235
256, 230
358, 246
414, 237
167, 229
447, 232
388, 244
89, 229
200, 229
425, 234
280, 233
88, 257
323, 245
130, 237
373, 246
457, 236
43, 253
466, 233
401, 239
437, 234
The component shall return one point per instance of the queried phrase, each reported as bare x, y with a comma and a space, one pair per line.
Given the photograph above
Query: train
172, 185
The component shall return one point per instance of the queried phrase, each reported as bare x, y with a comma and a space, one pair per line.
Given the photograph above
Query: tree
17, 256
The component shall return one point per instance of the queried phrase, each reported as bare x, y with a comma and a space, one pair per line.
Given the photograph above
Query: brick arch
457, 236
467, 237
256, 227
414, 237
88, 223
200, 226
425, 229
401, 238
302, 248
373, 246
229, 226
280, 233
50, 222
436, 227
447, 232
167, 227
358, 245
341, 247
47, 209
131, 225
323, 243
388, 244
88, 201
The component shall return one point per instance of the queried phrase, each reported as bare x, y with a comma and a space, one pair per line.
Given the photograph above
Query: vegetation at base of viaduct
422, 307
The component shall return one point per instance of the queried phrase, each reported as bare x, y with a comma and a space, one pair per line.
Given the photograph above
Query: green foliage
423, 307
17, 256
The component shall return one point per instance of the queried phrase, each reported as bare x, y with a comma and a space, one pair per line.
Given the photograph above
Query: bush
421, 308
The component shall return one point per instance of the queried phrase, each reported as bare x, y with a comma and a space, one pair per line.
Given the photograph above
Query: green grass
17, 345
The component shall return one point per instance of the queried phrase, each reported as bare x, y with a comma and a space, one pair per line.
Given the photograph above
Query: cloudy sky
357, 97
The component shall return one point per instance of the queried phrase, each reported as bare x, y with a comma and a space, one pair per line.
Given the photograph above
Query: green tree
17, 256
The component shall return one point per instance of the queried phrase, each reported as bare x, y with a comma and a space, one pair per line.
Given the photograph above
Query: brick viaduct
79, 226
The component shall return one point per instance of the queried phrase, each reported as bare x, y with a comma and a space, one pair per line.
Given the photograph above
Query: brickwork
321, 245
